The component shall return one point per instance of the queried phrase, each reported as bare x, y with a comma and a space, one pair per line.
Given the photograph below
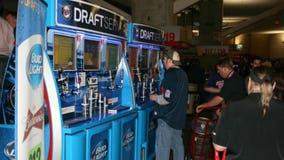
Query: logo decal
9, 150
66, 12
128, 137
34, 66
168, 93
33, 120
136, 32
100, 151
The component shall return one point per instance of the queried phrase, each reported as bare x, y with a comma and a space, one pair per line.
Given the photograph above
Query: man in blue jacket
171, 112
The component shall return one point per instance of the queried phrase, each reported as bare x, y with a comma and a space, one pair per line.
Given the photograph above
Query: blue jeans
169, 138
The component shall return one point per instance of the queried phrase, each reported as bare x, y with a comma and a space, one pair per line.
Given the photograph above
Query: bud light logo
128, 138
34, 66
66, 12
100, 151
9, 150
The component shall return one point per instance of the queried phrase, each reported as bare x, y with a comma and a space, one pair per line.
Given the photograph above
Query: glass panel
111, 56
153, 58
144, 58
64, 55
133, 57
91, 55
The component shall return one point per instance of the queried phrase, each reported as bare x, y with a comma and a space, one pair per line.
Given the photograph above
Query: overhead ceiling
239, 16
245, 16
253, 16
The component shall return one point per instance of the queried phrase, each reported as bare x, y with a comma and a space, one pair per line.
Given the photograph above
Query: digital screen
91, 55
64, 55
144, 58
111, 56
133, 57
153, 58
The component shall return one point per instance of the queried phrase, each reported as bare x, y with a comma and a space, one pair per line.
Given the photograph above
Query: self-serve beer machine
144, 47
86, 46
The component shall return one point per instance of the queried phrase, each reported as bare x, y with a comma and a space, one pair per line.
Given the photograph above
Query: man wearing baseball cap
171, 110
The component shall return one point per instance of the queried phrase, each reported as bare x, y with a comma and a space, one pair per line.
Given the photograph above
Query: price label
35, 153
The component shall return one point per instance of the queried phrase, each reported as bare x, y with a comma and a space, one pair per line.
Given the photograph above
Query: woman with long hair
252, 128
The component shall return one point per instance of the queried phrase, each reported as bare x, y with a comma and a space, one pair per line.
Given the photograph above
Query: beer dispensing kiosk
86, 46
144, 45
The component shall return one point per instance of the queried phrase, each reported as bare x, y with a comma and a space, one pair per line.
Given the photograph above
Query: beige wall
157, 13
276, 44
264, 45
260, 45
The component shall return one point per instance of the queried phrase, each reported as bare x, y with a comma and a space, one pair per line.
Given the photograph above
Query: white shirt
6, 37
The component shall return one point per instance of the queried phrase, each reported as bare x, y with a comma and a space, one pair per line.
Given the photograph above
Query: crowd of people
250, 108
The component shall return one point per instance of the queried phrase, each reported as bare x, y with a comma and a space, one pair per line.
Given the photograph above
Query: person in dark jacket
232, 90
251, 128
171, 111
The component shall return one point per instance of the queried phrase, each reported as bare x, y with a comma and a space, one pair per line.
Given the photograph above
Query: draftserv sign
82, 15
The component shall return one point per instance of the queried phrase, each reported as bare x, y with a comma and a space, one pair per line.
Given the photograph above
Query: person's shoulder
176, 72
175, 69
4, 23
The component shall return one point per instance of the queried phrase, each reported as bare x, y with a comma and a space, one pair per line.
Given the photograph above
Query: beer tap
138, 83
91, 99
77, 84
85, 109
62, 80
151, 88
143, 91
111, 81
105, 105
100, 101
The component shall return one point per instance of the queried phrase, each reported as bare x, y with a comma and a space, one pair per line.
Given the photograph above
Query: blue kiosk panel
144, 47
7, 142
151, 134
92, 77
75, 146
128, 139
99, 146
146, 132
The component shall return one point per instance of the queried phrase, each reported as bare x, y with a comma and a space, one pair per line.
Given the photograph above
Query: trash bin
201, 147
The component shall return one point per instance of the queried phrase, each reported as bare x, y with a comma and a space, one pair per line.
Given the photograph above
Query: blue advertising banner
7, 143
145, 34
82, 15
128, 140
99, 146
30, 40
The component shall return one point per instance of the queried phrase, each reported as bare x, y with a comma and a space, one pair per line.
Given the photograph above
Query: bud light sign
34, 67
100, 151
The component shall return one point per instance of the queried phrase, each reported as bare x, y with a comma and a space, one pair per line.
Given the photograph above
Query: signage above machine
85, 16
214, 50
146, 34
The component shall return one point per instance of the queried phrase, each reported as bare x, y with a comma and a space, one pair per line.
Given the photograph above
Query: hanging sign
82, 15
